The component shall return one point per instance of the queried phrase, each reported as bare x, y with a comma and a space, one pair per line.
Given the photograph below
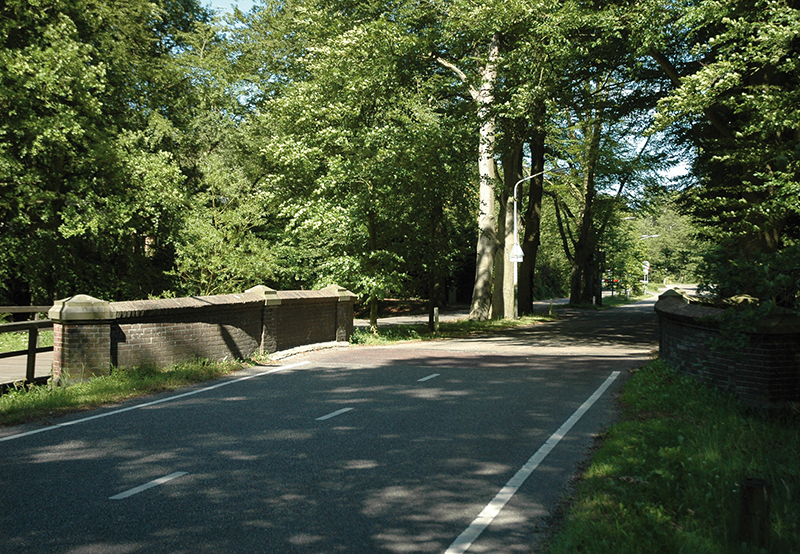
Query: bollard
436, 321
754, 507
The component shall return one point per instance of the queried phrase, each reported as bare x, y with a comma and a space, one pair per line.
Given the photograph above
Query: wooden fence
32, 327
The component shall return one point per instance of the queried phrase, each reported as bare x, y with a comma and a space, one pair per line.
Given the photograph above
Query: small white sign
516, 254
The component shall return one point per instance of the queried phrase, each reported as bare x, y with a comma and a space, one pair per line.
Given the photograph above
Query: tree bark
581, 286
533, 214
503, 288
480, 308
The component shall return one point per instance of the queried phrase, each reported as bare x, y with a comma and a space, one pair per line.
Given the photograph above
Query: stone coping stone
141, 308
677, 307
82, 307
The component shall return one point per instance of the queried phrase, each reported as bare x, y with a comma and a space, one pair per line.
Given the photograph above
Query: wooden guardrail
33, 334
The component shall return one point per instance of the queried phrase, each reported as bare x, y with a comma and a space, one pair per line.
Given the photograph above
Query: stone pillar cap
271, 297
80, 307
673, 294
344, 294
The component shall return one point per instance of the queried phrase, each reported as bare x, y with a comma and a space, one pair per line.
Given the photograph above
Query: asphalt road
358, 450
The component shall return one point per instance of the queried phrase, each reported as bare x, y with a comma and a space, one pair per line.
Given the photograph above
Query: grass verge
38, 402
447, 329
667, 478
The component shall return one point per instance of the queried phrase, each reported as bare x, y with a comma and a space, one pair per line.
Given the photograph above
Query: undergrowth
15, 342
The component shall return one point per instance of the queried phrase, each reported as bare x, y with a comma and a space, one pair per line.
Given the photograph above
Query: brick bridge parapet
763, 370
91, 336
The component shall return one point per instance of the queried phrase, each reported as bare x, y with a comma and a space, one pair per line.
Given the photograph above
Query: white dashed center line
334, 414
428, 378
149, 485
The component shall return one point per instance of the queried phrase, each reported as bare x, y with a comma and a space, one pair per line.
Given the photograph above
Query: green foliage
222, 247
739, 91
86, 176
773, 277
668, 477
675, 253
366, 172
15, 342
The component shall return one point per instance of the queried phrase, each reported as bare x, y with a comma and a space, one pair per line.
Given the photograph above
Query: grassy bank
667, 478
39, 402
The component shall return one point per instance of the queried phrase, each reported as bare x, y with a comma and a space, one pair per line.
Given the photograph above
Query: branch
556, 203
475, 93
672, 72
666, 66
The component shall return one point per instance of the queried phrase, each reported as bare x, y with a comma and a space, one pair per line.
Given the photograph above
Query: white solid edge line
428, 378
465, 539
153, 403
150, 485
334, 414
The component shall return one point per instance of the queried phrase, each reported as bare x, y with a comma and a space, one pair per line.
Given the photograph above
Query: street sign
516, 254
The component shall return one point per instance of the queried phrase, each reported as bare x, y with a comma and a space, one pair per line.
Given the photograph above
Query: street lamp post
516, 255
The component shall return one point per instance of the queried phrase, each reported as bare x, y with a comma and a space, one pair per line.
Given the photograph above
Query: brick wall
91, 336
764, 370
163, 332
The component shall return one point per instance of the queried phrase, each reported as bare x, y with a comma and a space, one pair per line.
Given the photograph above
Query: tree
357, 151
90, 188
736, 88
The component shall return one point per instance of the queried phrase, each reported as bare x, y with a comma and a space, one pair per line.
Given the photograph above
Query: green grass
449, 329
667, 478
13, 342
39, 402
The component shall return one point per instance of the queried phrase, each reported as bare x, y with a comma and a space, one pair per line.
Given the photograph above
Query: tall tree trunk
533, 213
581, 290
481, 305
480, 308
503, 288
504, 269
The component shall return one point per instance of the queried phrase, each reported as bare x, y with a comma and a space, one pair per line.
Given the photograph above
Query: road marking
428, 378
150, 485
334, 414
153, 403
465, 539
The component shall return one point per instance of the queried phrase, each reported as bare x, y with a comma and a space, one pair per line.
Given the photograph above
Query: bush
771, 277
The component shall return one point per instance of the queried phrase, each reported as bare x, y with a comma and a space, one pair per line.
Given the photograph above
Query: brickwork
91, 336
84, 351
305, 321
764, 371
211, 331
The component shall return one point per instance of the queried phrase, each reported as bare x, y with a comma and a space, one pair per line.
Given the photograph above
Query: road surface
446, 446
